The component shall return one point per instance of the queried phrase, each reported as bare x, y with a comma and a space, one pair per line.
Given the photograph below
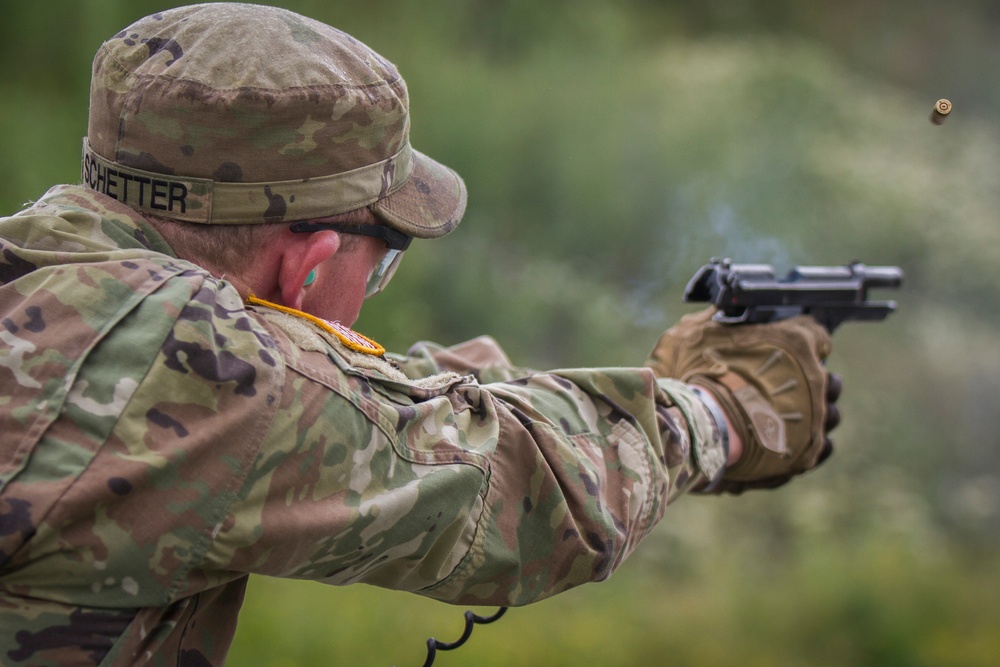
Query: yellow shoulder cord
351, 339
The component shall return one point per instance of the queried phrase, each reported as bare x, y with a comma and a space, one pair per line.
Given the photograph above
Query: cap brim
429, 205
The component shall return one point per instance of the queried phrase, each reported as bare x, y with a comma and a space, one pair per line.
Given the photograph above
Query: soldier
183, 403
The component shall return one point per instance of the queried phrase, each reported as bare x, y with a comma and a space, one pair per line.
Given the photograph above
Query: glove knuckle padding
769, 378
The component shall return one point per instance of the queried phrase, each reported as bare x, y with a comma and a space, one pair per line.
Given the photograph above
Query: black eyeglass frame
395, 240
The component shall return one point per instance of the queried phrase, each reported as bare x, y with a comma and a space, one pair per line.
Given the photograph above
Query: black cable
433, 645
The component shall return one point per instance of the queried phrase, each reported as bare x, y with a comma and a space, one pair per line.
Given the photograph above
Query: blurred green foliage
611, 148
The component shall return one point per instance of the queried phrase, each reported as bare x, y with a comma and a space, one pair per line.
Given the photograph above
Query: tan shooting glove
770, 381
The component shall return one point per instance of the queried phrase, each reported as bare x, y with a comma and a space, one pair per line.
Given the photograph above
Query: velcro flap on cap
205, 201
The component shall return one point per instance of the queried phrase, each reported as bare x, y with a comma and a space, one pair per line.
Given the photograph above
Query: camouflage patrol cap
230, 113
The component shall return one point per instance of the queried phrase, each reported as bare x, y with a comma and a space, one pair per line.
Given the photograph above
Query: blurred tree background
610, 149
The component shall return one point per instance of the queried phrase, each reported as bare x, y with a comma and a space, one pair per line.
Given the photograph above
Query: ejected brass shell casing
941, 110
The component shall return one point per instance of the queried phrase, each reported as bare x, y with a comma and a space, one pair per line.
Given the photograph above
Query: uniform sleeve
480, 357
461, 489
159, 392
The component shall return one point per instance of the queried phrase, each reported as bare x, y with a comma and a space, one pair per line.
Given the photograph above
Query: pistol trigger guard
722, 318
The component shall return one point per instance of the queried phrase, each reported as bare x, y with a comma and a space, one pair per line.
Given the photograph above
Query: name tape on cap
203, 200
187, 199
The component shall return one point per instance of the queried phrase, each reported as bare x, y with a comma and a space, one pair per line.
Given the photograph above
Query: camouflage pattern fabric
160, 440
230, 113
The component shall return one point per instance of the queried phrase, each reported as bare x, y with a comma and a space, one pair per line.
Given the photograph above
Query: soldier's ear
300, 259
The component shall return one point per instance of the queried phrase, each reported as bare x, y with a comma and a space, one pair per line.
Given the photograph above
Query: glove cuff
751, 416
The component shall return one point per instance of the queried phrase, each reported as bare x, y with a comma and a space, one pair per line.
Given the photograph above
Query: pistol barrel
748, 293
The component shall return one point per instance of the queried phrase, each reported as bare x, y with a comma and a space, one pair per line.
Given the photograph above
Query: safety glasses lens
383, 271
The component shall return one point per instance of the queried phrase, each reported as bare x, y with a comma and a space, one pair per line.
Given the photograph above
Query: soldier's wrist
725, 433
708, 433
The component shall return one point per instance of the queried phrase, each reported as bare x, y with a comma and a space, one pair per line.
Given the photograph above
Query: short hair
234, 249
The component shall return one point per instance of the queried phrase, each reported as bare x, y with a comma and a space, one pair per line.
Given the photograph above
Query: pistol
750, 293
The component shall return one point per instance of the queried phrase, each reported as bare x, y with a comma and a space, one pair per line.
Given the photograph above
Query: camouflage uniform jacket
160, 440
